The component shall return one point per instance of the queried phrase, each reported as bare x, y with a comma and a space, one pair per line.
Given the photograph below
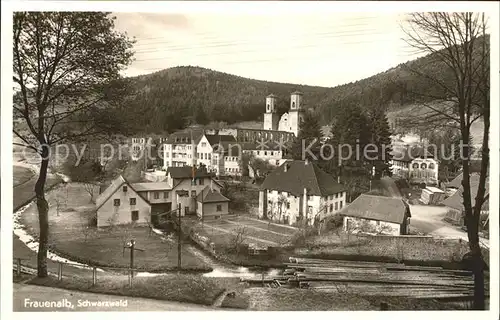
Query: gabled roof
456, 200
186, 172
214, 139
377, 208
184, 137
209, 195
151, 186
300, 175
111, 190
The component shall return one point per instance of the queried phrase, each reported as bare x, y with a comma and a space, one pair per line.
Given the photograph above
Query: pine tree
309, 133
381, 140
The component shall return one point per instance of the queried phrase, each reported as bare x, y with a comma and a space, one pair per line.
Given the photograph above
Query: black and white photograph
250, 156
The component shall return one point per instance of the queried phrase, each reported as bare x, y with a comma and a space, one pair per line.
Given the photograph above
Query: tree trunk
43, 215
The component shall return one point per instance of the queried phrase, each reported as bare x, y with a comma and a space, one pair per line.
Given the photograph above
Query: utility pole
202, 213
131, 245
179, 240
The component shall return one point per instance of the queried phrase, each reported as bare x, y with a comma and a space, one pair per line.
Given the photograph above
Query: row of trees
360, 141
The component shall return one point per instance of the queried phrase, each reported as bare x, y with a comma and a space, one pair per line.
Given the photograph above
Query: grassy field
174, 287
26, 191
256, 232
21, 175
70, 236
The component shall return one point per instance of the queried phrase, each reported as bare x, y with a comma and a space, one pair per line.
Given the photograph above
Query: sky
312, 49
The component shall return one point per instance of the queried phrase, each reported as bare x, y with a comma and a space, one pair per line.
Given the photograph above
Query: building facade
416, 165
377, 214
300, 192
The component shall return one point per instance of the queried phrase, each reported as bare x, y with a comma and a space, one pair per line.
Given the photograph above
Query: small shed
211, 203
432, 195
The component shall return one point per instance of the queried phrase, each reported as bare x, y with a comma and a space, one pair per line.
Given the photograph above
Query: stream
220, 270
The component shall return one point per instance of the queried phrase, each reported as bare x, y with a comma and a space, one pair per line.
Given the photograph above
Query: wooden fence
19, 269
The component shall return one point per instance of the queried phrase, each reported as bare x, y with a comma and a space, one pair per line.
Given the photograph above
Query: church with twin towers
288, 122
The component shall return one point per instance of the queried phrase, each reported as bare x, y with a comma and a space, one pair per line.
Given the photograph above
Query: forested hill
170, 98
208, 95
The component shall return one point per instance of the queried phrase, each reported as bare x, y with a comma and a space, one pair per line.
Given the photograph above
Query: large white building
289, 121
415, 164
299, 191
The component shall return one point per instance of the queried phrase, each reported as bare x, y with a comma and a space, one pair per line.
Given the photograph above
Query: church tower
271, 118
296, 113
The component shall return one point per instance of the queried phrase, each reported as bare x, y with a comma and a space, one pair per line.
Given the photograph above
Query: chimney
285, 167
338, 179
306, 162
212, 185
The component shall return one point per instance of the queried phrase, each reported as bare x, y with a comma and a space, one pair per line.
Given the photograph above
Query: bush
333, 222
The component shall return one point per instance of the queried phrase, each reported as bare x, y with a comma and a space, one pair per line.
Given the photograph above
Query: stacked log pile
375, 279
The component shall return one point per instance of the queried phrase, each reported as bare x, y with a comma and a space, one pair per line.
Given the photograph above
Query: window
116, 202
423, 166
193, 194
165, 194
336, 206
309, 198
331, 197
340, 204
135, 215
265, 153
288, 205
293, 105
331, 207
378, 223
277, 162
132, 201
124, 188
157, 195
209, 156
415, 166
201, 182
203, 144
431, 166
272, 153
219, 208
336, 195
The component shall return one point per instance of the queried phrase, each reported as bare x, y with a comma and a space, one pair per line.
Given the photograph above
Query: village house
181, 178
377, 214
120, 203
415, 164
211, 204
180, 148
123, 202
454, 202
299, 191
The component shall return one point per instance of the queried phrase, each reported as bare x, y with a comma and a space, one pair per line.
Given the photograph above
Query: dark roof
456, 200
186, 172
210, 195
297, 92
300, 175
271, 96
409, 154
227, 142
378, 208
184, 137
214, 139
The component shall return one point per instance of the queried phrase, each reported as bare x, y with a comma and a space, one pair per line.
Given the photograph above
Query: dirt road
429, 219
